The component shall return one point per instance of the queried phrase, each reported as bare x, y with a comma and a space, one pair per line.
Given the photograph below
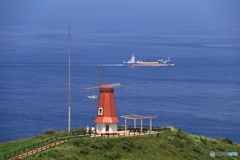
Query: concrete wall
101, 127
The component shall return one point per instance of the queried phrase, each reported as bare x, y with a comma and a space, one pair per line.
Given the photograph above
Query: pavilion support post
125, 124
150, 124
141, 124
135, 123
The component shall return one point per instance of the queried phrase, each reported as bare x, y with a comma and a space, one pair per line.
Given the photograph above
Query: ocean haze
199, 95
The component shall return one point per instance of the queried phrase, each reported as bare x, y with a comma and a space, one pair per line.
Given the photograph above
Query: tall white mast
69, 83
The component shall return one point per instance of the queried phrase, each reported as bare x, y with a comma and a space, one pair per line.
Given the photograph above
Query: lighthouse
106, 117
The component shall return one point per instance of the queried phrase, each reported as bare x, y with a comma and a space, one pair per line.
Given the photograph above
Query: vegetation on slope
165, 145
11, 146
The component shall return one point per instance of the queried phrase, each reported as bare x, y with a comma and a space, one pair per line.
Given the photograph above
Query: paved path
38, 150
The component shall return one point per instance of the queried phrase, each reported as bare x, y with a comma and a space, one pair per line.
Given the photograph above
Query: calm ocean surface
200, 94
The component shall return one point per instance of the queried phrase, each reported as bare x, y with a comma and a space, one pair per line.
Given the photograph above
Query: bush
203, 140
226, 140
49, 131
113, 156
84, 151
61, 133
81, 130
109, 144
90, 132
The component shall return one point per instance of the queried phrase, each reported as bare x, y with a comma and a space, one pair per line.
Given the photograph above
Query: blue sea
200, 94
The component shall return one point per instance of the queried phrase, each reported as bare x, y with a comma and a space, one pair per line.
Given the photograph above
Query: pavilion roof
133, 116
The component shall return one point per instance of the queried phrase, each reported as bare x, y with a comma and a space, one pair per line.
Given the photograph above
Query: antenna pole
101, 75
69, 83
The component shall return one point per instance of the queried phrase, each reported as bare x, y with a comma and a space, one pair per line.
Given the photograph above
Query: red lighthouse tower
106, 119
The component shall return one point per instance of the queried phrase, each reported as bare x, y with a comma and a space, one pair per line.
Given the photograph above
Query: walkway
38, 150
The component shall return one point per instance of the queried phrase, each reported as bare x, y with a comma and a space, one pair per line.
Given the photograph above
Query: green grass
12, 146
165, 145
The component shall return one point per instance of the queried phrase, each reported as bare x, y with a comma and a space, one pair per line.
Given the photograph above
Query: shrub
61, 133
49, 131
109, 144
90, 132
204, 141
81, 130
113, 156
127, 148
226, 140
76, 142
84, 151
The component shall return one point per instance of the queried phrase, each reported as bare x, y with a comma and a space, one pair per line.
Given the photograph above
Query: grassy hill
165, 145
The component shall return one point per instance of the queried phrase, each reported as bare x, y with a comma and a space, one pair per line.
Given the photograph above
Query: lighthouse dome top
106, 88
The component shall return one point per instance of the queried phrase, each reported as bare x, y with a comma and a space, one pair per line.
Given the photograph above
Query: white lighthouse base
106, 128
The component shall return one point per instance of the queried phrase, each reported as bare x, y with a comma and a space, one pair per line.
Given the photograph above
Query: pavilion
135, 117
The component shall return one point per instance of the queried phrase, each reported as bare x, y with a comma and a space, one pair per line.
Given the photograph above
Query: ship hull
160, 62
154, 64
